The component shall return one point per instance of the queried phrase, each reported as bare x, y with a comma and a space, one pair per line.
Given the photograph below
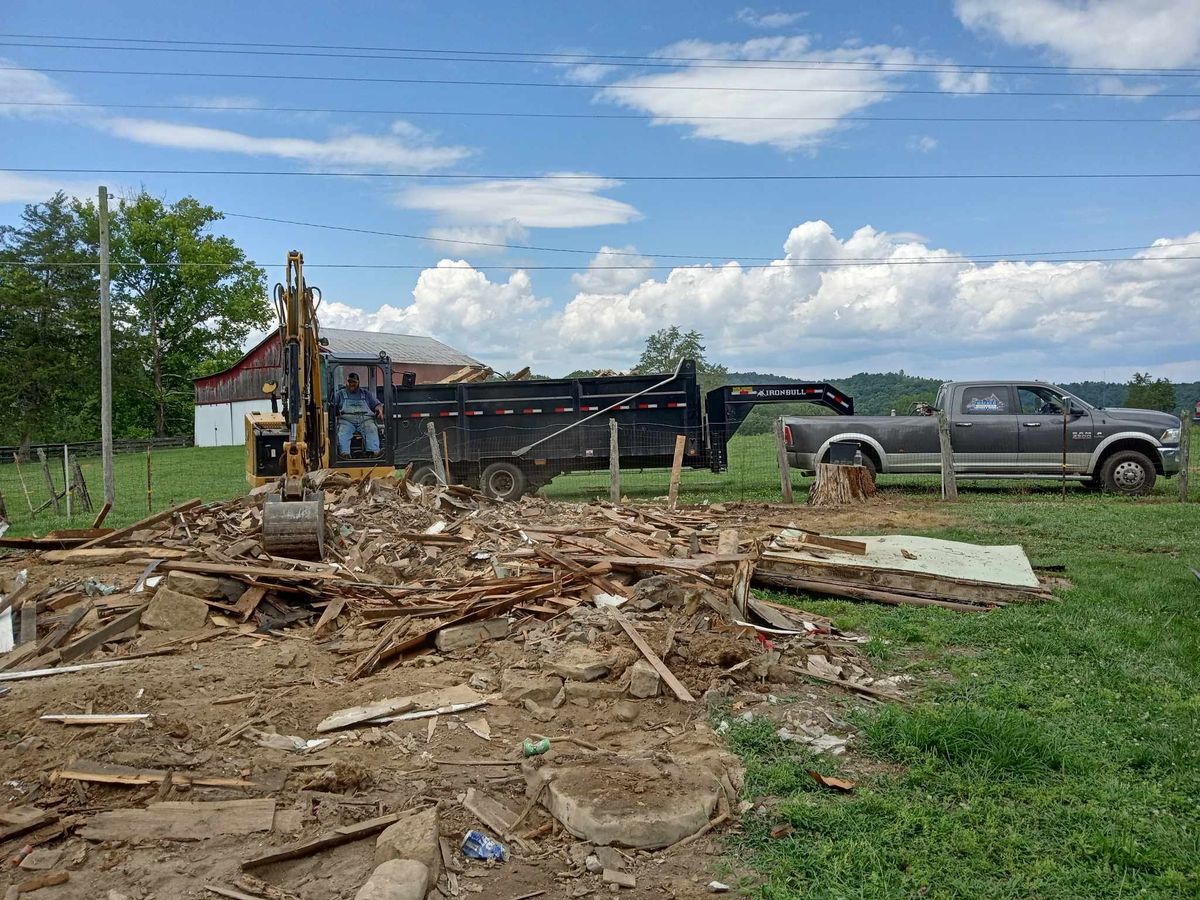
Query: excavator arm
293, 522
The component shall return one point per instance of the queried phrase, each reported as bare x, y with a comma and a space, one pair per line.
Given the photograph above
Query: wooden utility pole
614, 463
1185, 442
949, 482
106, 437
785, 471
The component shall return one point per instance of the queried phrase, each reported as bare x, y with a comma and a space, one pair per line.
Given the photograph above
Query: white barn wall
223, 424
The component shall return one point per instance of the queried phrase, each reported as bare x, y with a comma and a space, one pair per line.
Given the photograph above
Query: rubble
270, 711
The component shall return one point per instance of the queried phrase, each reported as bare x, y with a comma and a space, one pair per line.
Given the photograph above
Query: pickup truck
1004, 429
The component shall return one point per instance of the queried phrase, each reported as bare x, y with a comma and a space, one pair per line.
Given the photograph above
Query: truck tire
424, 474
503, 481
1128, 472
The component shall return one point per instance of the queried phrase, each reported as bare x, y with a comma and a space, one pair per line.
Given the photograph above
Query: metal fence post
614, 463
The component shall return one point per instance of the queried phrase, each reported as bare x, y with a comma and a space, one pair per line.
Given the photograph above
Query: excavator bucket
294, 528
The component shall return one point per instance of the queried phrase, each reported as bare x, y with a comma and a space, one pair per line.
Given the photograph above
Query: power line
456, 176
200, 107
363, 79
651, 253
778, 264
784, 65
566, 58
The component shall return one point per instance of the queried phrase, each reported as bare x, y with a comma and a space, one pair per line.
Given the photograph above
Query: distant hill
878, 393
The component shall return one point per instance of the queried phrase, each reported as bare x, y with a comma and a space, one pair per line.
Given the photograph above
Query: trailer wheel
424, 474
503, 481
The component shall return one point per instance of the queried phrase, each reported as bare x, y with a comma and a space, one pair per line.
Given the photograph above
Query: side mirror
1076, 410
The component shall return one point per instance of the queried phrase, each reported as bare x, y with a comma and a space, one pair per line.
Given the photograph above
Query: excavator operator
357, 411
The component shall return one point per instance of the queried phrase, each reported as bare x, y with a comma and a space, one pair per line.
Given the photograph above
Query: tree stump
840, 485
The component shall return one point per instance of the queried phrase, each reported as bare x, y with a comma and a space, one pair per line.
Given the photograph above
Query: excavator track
294, 528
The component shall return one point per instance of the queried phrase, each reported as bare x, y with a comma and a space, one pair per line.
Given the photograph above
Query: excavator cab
358, 438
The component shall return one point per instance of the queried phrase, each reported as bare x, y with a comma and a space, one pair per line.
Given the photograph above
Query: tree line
183, 302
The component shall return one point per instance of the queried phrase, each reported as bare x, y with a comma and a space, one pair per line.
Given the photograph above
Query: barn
224, 398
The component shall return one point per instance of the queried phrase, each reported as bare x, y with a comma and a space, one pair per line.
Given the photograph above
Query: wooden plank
343, 835
94, 718
248, 602
102, 773
28, 624
181, 821
858, 548
18, 820
102, 515
328, 616
676, 471
61, 670
111, 555
143, 523
233, 569
93, 641
858, 592
651, 657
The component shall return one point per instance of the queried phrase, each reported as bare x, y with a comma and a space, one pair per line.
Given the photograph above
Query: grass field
1054, 751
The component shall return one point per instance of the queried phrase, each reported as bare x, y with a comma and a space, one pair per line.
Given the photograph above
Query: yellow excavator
285, 447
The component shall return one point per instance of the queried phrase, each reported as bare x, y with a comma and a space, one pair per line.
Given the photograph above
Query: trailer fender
858, 438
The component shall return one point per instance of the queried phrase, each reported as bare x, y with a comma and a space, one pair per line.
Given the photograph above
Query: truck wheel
503, 481
424, 474
1128, 472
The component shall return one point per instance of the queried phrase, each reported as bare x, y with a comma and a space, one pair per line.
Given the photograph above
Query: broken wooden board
181, 821
426, 700
18, 820
102, 773
343, 835
94, 718
154, 519
96, 639
660, 667
112, 555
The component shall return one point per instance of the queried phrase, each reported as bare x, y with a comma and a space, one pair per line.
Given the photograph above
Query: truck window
986, 400
1036, 400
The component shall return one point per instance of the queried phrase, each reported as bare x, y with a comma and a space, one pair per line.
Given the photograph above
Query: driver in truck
357, 411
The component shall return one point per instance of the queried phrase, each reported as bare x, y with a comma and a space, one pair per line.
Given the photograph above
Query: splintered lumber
343, 835
232, 569
96, 639
676, 471
163, 516
102, 515
651, 657
60, 670
865, 689
858, 592
181, 821
94, 718
19, 820
858, 548
328, 616
839, 485
248, 602
102, 773
111, 555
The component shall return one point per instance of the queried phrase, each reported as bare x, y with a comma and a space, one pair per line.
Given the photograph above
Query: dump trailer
512, 437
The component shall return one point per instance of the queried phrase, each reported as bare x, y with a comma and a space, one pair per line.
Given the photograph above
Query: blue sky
955, 317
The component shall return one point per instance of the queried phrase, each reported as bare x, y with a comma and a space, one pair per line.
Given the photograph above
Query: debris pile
506, 697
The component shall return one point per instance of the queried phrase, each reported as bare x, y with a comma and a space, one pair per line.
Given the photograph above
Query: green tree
184, 296
667, 346
1145, 392
49, 310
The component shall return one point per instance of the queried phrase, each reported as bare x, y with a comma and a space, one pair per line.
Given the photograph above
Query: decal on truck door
988, 404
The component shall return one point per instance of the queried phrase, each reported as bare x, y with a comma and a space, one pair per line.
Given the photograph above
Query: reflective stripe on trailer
418, 415
674, 405
588, 408
473, 412
529, 412
646, 406
448, 414
503, 412
562, 409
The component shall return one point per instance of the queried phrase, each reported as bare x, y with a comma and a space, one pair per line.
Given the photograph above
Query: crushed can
477, 845
535, 748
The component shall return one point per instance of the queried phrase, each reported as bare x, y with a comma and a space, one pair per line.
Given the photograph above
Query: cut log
841, 485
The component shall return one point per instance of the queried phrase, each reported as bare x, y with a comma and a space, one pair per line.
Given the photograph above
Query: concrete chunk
195, 585
172, 611
520, 686
397, 879
459, 637
582, 664
644, 681
416, 836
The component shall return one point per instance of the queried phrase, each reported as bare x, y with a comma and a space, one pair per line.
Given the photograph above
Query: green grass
1056, 753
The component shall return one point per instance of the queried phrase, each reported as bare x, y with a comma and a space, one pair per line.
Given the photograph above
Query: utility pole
106, 438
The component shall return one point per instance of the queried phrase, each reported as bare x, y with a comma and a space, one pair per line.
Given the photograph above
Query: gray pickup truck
1004, 429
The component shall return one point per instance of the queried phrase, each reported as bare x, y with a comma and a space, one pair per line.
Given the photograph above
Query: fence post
949, 481
614, 463
67, 480
785, 472
149, 483
24, 489
439, 467
1185, 444
49, 481
676, 471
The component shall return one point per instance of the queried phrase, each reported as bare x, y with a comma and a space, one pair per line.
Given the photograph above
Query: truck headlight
1170, 436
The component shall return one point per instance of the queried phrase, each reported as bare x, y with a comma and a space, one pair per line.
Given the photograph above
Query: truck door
983, 428
1041, 437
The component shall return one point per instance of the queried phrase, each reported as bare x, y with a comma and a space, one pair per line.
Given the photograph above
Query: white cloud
756, 19
400, 153
18, 188
569, 203
19, 85
722, 90
603, 276
954, 317
922, 144
478, 240
1135, 33
457, 304
959, 81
